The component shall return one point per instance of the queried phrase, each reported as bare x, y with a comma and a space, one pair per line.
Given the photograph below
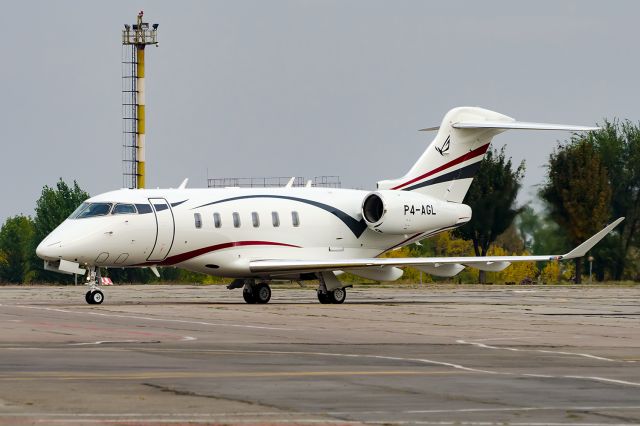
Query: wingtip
583, 248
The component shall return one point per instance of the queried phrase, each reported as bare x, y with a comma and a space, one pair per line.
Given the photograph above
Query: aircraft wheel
247, 295
262, 293
87, 297
338, 295
323, 298
96, 297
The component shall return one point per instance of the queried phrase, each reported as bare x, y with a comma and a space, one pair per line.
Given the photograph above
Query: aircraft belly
234, 262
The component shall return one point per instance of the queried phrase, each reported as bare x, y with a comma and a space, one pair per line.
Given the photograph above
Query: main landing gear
330, 289
256, 293
93, 296
336, 296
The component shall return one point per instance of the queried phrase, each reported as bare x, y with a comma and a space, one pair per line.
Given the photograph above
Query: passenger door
165, 229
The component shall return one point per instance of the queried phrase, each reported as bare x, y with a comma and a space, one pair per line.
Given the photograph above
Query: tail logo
444, 149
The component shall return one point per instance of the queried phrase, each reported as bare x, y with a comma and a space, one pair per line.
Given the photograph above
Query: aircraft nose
49, 249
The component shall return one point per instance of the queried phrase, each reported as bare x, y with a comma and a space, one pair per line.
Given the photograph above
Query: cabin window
198, 220
255, 219
295, 219
275, 219
217, 220
124, 209
236, 220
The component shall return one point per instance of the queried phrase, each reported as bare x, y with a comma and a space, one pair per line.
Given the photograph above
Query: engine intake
373, 208
404, 212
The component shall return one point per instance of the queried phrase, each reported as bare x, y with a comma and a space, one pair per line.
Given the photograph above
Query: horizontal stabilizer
522, 125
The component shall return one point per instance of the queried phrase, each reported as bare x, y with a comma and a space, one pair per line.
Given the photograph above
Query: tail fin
446, 169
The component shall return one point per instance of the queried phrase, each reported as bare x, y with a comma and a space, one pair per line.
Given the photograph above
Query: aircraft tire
338, 295
262, 293
323, 298
96, 297
247, 295
87, 298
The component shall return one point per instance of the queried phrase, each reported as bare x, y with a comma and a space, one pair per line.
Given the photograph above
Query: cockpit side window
79, 210
143, 208
124, 209
94, 209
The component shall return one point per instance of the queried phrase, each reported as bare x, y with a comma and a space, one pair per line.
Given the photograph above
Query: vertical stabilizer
446, 169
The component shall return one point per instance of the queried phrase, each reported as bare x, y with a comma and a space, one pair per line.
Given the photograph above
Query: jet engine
405, 212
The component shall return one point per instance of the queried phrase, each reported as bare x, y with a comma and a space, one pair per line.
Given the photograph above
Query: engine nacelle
405, 212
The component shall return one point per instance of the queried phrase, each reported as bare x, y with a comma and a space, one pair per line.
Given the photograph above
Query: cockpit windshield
91, 210
103, 209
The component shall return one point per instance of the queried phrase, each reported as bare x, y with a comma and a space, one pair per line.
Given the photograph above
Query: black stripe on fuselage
178, 203
465, 172
356, 226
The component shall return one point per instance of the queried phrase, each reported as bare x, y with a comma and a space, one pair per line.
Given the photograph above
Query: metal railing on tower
274, 182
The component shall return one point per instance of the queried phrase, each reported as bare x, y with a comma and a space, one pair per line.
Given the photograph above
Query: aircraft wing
448, 265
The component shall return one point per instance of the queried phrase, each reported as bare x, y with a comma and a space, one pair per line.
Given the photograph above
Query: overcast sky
305, 88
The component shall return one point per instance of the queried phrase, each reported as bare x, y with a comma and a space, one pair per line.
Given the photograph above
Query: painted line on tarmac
102, 342
336, 412
508, 409
544, 351
422, 361
191, 420
490, 423
65, 375
102, 314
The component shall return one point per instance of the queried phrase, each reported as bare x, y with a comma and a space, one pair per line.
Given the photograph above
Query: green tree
528, 224
16, 236
52, 208
577, 192
492, 195
618, 144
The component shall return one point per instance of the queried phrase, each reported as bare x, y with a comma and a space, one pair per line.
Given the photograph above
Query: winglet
183, 185
583, 248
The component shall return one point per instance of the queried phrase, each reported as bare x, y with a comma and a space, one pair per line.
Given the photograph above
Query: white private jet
292, 233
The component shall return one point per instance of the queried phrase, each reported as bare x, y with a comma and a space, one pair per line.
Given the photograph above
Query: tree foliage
577, 192
16, 236
492, 197
618, 144
517, 272
52, 208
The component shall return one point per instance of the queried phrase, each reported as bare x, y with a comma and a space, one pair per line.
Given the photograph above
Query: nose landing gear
94, 296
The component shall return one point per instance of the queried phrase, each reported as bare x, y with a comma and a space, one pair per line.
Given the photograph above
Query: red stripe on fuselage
182, 257
468, 156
